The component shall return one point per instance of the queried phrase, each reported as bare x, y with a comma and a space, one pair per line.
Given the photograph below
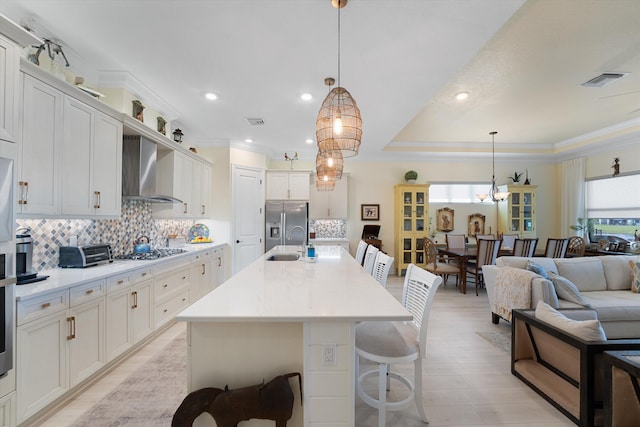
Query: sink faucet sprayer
292, 230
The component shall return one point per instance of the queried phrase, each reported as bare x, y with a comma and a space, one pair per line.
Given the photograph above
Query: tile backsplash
329, 228
120, 233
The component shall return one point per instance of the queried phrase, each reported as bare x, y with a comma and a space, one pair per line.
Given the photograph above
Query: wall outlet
328, 355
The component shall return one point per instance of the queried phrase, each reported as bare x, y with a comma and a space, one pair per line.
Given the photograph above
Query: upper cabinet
329, 204
282, 185
9, 66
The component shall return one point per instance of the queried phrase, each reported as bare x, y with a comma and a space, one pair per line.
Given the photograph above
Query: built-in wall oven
7, 302
7, 267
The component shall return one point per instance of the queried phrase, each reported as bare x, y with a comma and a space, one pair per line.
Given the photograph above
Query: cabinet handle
89, 291
185, 208
203, 269
120, 282
72, 328
165, 310
165, 285
24, 192
135, 299
97, 205
184, 277
203, 210
144, 274
219, 261
46, 305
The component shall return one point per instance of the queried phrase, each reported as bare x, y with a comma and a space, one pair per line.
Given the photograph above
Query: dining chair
381, 267
437, 267
485, 236
360, 251
576, 246
508, 240
370, 258
488, 250
556, 248
387, 343
525, 247
455, 240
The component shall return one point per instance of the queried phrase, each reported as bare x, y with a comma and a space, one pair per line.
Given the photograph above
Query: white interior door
248, 215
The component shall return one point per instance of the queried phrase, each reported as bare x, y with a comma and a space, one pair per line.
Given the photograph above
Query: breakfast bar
280, 315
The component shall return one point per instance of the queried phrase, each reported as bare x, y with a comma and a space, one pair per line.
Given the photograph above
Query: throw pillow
566, 290
635, 276
536, 268
587, 330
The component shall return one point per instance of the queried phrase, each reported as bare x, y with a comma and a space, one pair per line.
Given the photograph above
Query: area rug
149, 396
501, 339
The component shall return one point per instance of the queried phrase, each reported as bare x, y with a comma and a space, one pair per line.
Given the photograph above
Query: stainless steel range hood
139, 157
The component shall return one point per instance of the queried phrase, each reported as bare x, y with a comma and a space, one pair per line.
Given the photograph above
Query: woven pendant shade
339, 105
322, 185
329, 164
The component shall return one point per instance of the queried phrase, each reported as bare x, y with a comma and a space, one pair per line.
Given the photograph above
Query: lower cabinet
8, 410
60, 340
171, 291
207, 272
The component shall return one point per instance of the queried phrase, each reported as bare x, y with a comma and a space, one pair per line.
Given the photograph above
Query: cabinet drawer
117, 283
86, 292
140, 275
169, 283
168, 309
38, 307
202, 255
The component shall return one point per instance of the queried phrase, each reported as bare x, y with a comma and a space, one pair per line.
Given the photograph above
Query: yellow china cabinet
411, 224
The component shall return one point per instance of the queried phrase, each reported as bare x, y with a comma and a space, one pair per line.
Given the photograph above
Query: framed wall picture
476, 224
445, 219
370, 212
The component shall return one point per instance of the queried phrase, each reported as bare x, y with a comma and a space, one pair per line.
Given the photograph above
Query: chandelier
494, 194
339, 125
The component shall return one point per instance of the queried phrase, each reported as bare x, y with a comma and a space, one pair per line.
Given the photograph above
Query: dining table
464, 255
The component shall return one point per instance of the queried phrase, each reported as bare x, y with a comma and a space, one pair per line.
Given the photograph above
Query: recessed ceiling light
461, 96
248, 140
306, 97
211, 96
309, 141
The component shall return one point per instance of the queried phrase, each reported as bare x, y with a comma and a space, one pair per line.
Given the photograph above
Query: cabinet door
219, 265
205, 198
86, 347
39, 189
142, 307
329, 204
186, 182
41, 374
278, 185
79, 122
118, 335
8, 410
298, 186
9, 66
106, 167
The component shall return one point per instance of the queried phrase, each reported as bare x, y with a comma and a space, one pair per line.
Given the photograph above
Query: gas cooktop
154, 254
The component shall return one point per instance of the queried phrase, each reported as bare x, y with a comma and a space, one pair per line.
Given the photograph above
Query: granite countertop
63, 278
331, 287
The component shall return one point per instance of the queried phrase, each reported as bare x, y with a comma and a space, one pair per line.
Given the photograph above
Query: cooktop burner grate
154, 254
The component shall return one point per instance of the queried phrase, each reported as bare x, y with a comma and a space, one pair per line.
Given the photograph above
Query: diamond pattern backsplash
329, 228
121, 233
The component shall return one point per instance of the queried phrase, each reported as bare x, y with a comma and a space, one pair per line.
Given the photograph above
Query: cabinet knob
97, 196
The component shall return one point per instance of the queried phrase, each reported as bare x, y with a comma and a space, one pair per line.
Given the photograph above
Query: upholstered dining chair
488, 250
370, 258
381, 267
485, 236
437, 267
525, 247
455, 240
388, 343
556, 248
360, 251
508, 240
576, 246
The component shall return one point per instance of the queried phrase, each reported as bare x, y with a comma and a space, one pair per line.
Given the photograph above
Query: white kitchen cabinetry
200, 190
171, 291
8, 411
220, 260
9, 65
287, 185
60, 342
129, 311
39, 158
174, 178
202, 278
329, 204
91, 161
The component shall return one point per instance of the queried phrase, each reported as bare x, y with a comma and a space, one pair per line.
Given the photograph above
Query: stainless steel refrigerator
286, 223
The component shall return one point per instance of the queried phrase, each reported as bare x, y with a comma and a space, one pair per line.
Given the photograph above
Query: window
457, 193
613, 206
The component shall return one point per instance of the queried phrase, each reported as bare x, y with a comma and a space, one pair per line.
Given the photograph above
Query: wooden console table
621, 388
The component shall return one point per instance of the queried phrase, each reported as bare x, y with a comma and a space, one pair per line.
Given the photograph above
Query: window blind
617, 197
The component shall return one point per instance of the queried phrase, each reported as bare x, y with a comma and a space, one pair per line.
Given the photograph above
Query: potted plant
411, 176
585, 226
516, 177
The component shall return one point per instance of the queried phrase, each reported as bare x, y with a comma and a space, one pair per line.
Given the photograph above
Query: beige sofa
604, 283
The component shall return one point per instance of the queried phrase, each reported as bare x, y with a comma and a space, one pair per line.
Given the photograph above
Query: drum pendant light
339, 125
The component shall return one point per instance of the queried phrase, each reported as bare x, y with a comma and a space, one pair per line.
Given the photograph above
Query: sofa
565, 369
603, 283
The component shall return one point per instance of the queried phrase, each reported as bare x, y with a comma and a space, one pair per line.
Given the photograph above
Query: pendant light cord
338, 45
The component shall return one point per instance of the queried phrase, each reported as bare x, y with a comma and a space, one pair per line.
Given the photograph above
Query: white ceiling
402, 60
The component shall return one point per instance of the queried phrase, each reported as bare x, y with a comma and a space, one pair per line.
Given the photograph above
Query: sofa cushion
635, 276
587, 330
614, 305
537, 268
616, 271
521, 262
566, 290
587, 273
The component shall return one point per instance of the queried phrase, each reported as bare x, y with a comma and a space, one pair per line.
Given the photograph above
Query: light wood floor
467, 381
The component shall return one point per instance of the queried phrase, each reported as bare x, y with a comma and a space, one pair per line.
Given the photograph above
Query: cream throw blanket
512, 290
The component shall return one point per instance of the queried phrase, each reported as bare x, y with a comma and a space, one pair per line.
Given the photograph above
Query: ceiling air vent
254, 121
603, 79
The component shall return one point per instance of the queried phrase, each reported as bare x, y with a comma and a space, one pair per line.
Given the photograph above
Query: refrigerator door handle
284, 228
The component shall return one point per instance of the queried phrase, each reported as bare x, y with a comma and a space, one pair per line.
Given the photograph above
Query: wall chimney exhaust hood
139, 157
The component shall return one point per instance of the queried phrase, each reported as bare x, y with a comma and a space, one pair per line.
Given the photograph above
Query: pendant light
329, 164
494, 194
339, 125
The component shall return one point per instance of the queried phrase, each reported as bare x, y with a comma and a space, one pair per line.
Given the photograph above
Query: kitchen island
276, 317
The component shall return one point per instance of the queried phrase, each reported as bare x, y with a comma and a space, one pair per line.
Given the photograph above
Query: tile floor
467, 381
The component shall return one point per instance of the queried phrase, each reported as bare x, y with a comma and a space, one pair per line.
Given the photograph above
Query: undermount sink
284, 257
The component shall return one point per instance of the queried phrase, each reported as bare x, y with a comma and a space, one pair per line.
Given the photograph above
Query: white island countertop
333, 287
